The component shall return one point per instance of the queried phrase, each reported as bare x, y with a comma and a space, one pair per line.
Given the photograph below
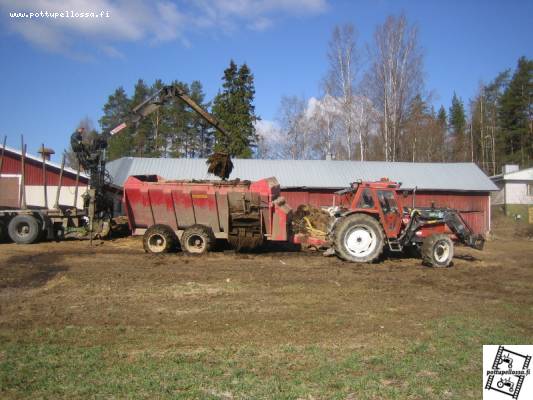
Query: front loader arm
460, 228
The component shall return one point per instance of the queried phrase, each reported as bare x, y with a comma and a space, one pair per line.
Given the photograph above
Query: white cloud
261, 24
272, 139
143, 20
268, 129
112, 52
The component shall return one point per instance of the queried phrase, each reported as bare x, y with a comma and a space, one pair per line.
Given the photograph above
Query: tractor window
366, 200
387, 201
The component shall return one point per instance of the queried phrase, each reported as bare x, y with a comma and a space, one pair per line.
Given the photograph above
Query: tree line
374, 106
175, 130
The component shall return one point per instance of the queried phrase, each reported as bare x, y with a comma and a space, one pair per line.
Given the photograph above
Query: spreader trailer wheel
437, 250
359, 238
197, 239
159, 239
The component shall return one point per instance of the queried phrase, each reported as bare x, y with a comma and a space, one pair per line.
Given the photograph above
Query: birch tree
292, 120
341, 80
395, 78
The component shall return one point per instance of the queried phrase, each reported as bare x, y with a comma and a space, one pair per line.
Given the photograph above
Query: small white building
515, 196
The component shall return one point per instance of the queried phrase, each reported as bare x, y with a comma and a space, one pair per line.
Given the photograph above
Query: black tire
198, 239
359, 238
159, 239
437, 251
24, 229
3, 231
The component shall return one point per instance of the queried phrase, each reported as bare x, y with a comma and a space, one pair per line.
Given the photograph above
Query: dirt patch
263, 298
22, 271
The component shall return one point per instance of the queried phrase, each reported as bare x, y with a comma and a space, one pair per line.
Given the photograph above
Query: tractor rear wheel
437, 250
359, 238
24, 229
159, 239
197, 239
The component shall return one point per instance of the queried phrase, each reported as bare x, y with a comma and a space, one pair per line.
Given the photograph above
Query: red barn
462, 186
35, 182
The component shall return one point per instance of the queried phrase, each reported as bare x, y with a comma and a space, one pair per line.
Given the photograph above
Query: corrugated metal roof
314, 173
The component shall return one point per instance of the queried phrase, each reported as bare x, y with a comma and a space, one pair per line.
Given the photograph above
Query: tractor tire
159, 239
359, 238
437, 251
24, 229
198, 239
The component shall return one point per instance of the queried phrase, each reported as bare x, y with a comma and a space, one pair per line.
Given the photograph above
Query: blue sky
58, 71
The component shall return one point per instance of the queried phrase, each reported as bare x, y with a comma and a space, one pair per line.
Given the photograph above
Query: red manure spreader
372, 218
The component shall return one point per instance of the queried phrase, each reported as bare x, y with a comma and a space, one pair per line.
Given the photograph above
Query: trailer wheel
197, 239
24, 229
159, 239
437, 251
359, 238
2, 231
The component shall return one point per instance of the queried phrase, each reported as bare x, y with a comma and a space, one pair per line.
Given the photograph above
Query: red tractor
374, 217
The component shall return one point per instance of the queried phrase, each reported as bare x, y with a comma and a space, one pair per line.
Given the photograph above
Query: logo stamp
506, 372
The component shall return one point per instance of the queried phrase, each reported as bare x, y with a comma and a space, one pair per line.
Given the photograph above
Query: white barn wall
35, 196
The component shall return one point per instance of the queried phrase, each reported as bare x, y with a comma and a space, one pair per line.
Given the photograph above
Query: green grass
444, 363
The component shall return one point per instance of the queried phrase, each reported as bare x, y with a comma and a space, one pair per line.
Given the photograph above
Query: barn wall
10, 194
34, 188
474, 207
35, 196
34, 171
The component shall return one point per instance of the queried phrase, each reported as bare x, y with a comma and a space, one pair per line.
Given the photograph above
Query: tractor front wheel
359, 238
437, 250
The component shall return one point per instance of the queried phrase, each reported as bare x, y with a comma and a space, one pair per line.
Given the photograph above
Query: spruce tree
179, 116
516, 115
235, 109
457, 123
143, 129
442, 126
201, 132
116, 110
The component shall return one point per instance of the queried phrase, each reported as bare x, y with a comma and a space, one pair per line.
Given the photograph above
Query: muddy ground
227, 297
115, 297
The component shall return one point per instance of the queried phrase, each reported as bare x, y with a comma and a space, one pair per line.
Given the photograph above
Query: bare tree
270, 143
294, 126
341, 80
323, 117
395, 78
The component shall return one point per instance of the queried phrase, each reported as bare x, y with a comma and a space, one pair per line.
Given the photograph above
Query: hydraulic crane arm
158, 99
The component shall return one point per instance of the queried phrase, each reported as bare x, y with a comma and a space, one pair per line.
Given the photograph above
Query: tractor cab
381, 200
